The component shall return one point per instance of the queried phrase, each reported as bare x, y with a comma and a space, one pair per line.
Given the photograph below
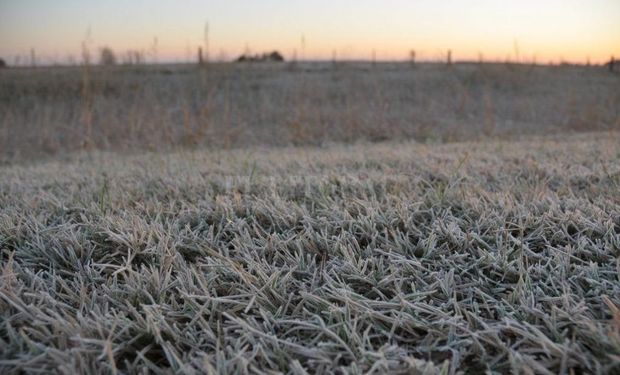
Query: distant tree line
107, 57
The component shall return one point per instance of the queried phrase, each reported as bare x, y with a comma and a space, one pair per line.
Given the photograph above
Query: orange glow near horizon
525, 30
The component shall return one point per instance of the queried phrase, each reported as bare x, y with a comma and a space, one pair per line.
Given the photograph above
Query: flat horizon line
313, 61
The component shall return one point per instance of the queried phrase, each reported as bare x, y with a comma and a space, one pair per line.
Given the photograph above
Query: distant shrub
611, 64
2, 64
107, 56
273, 56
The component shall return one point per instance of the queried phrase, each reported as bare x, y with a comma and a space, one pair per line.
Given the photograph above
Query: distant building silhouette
274, 56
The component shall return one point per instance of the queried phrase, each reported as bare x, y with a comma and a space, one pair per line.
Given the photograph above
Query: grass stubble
392, 257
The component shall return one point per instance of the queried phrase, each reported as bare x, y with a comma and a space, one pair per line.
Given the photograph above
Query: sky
172, 30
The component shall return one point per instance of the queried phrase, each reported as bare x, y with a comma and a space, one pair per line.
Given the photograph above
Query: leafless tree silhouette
107, 56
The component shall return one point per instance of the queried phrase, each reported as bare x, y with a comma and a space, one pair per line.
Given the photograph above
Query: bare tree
107, 56
134, 57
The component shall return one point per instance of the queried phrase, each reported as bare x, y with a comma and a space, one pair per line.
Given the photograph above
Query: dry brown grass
57, 110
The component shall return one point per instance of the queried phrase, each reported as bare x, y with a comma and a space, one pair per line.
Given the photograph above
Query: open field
394, 256
47, 111
310, 187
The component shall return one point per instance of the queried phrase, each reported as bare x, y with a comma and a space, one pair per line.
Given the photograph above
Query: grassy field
310, 218
398, 256
47, 111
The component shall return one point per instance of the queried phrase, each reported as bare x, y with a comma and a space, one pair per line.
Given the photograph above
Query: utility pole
154, 50
517, 52
206, 55
33, 57
303, 47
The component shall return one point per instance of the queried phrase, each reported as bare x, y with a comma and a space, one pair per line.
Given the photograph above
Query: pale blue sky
549, 29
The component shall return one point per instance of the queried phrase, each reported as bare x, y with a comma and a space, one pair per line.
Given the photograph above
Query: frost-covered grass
390, 257
54, 110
